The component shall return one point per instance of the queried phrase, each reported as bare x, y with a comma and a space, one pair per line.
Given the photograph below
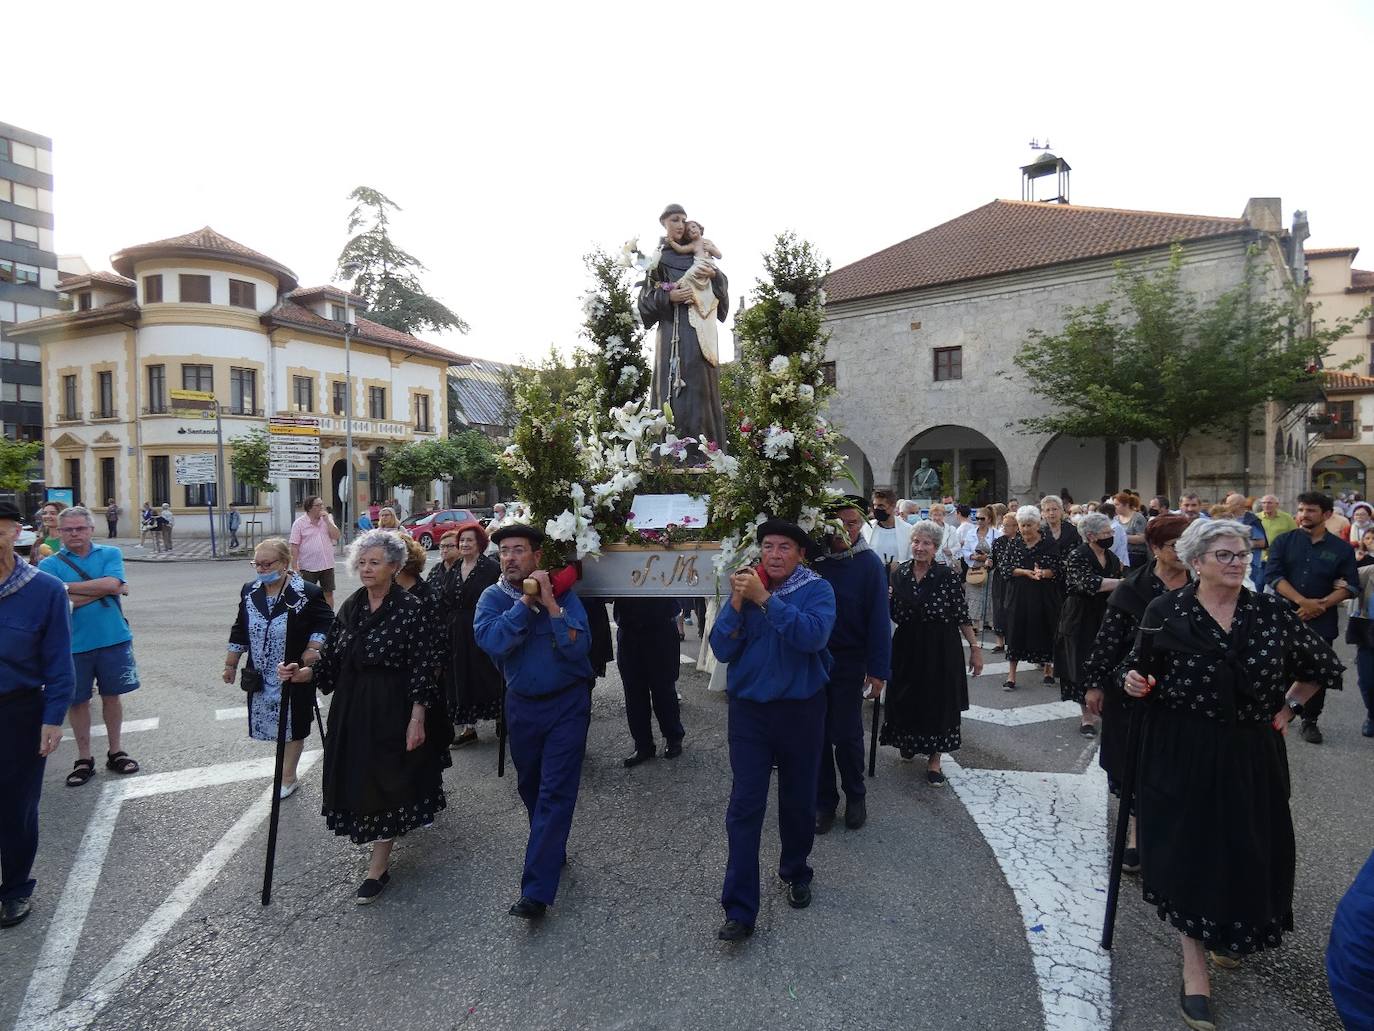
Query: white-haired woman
386, 749
1224, 670
929, 688
280, 616
1091, 573
1031, 568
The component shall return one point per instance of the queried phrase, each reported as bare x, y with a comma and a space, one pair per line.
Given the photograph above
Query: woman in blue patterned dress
280, 618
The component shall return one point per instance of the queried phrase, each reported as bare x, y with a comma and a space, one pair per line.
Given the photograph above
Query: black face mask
880, 514
1154, 512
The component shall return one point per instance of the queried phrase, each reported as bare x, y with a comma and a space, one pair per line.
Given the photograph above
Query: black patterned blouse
1016, 555
938, 598
1082, 574
1244, 684
398, 636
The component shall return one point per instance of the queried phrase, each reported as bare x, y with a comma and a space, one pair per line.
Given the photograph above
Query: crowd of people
1189, 639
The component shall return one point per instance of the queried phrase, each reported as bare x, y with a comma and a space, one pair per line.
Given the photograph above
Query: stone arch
975, 465
1332, 474
859, 467
1088, 467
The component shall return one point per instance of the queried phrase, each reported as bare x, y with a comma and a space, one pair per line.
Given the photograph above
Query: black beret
9, 511
532, 534
672, 209
782, 528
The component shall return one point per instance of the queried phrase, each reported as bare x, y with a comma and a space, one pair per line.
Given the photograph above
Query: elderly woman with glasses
1091, 573
1031, 567
279, 617
472, 684
1223, 671
929, 688
387, 744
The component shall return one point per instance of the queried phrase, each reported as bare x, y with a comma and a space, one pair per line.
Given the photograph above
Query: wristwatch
1295, 707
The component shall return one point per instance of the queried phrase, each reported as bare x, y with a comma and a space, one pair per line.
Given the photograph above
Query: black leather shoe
636, 757
798, 895
14, 911
824, 821
371, 888
734, 931
1197, 1011
855, 813
528, 909
1130, 860
673, 750
1311, 733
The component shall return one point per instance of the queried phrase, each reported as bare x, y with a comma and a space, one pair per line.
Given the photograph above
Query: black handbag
1359, 631
250, 679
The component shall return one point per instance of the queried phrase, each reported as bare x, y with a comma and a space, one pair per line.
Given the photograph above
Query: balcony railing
336, 425
108, 415
63, 417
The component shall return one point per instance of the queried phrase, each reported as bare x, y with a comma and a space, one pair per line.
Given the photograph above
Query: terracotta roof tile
206, 243
1329, 252
1337, 382
1011, 236
289, 313
108, 312
69, 281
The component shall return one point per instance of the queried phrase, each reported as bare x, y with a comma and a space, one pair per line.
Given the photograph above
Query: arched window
1336, 473
1290, 445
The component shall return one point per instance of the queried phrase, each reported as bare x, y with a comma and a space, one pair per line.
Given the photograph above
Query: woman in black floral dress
1217, 854
1091, 573
929, 688
1030, 566
388, 735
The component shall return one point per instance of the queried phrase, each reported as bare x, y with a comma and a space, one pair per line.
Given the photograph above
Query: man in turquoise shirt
102, 644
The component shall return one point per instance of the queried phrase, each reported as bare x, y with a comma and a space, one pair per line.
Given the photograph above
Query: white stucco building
202, 312
923, 334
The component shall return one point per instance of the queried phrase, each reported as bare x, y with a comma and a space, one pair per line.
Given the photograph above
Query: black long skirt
928, 690
373, 787
1080, 619
1112, 735
1032, 619
1217, 854
472, 684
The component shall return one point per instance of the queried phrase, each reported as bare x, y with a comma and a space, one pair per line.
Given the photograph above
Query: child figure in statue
701, 312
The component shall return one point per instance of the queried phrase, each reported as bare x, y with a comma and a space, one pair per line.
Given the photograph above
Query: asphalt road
968, 906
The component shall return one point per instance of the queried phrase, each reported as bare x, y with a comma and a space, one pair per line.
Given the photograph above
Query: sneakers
1311, 733
371, 888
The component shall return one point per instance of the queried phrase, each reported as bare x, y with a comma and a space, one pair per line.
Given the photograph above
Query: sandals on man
82, 771
119, 762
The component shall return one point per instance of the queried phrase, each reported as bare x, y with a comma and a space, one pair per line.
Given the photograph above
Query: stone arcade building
923, 335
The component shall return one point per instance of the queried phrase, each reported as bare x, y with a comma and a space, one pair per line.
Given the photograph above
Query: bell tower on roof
1043, 167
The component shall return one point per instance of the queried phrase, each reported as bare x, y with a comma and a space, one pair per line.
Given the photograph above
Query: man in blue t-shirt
102, 644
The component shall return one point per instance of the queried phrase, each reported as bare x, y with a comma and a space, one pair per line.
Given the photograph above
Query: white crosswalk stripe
130, 727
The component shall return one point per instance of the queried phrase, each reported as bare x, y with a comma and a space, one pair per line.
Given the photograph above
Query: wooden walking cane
501, 737
282, 717
1129, 765
319, 720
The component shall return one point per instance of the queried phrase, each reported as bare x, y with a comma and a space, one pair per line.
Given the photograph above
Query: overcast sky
516, 137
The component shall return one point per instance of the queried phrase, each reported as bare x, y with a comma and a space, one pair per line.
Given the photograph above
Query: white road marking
995, 668
130, 727
42, 1008
1047, 831
687, 660
232, 713
1022, 715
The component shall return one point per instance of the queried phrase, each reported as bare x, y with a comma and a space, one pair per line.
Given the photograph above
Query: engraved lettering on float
639, 577
685, 571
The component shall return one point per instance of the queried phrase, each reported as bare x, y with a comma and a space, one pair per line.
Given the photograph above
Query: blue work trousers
789, 733
548, 738
21, 781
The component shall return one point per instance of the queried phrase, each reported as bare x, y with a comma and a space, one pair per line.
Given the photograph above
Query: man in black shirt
1315, 571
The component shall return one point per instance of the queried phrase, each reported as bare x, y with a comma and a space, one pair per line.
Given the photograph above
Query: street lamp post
350, 476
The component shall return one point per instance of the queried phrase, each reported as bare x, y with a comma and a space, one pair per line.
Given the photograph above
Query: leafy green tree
384, 274
467, 460
250, 460
17, 458
1154, 362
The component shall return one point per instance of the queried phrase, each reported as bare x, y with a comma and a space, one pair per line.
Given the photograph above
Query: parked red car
429, 527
